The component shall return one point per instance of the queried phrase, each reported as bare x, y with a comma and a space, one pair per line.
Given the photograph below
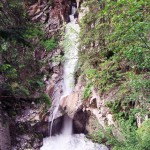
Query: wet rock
57, 125
37, 144
93, 103
26, 142
42, 128
80, 120
70, 104
5, 141
93, 125
29, 126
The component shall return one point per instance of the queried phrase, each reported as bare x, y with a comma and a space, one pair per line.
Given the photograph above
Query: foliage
104, 136
46, 99
137, 141
112, 56
8, 71
143, 135
50, 44
117, 57
87, 91
21, 44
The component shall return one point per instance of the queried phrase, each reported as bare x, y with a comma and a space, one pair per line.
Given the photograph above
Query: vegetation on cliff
115, 54
24, 49
23, 45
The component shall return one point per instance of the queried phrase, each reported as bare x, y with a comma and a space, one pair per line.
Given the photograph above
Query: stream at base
71, 142
68, 141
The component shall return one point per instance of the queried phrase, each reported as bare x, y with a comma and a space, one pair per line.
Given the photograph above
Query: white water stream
67, 140
71, 59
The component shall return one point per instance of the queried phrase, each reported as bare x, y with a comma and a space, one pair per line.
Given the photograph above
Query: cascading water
71, 59
67, 140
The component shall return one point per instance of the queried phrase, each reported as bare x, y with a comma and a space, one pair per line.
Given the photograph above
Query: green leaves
33, 31
50, 44
87, 91
45, 99
121, 28
143, 135
20, 51
8, 71
115, 54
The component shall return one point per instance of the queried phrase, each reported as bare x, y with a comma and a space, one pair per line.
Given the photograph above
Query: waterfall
67, 128
66, 140
71, 54
71, 59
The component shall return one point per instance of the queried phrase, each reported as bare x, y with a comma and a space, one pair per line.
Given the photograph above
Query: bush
50, 44
46, 99
87, 91
143, 135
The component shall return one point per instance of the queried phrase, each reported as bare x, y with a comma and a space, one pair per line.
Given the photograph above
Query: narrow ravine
67, 140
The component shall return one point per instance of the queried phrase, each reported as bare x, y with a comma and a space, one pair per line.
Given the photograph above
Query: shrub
46, 99
143, 135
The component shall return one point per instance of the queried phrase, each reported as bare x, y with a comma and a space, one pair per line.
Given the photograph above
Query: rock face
93, 125
57, 125
53, 84
5, 142
88, 115
52, 14
73, 103
80, 121
28, 127
70, 104
83, 11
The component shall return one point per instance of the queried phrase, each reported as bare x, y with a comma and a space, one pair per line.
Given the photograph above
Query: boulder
80, 120
71, 103
57, 125
93, 124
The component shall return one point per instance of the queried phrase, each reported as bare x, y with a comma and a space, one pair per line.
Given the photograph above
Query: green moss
49, 44
87, 91
45, 99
